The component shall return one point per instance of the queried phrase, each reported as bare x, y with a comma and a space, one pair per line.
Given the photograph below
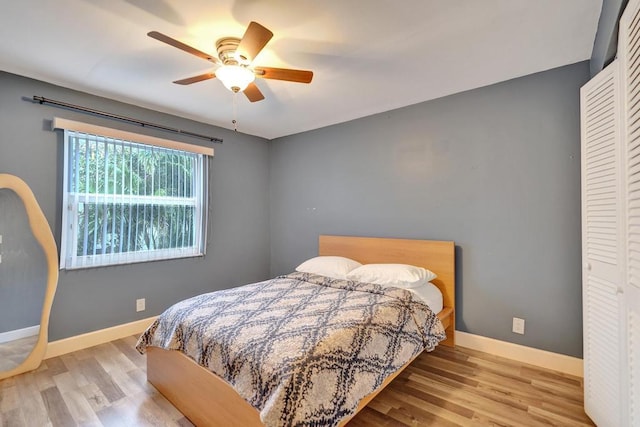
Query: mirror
28, 278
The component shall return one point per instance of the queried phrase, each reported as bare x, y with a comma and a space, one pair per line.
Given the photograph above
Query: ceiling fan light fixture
235, 57
236, 78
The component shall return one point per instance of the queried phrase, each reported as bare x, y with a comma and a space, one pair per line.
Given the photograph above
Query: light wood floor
106, 386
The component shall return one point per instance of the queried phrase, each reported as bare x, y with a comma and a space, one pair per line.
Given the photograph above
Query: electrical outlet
140, 304
518, 325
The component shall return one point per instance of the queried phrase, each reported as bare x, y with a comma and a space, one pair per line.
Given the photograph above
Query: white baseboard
79, 342
533, 356
16, 334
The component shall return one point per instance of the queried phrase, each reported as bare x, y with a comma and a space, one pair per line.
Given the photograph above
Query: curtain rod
142, 123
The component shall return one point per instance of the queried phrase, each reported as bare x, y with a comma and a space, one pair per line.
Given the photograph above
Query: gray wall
23, 270
496, 169
606, 42
91, 299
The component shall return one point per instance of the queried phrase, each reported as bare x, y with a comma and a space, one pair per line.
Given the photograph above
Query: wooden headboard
435, 255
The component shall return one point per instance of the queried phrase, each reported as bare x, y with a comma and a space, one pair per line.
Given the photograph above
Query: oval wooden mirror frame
42, 233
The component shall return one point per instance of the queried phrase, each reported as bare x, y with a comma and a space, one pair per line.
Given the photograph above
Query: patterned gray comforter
302, 349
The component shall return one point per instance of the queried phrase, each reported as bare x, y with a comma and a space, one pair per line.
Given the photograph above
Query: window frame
69, 259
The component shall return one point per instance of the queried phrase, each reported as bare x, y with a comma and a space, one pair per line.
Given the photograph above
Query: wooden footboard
202, 396
205, 398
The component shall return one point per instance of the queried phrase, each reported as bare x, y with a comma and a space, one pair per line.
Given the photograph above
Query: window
126, 202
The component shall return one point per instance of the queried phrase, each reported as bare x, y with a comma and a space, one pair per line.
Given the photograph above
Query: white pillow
331, 266
398, 275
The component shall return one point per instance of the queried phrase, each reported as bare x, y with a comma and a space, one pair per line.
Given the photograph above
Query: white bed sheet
431, 295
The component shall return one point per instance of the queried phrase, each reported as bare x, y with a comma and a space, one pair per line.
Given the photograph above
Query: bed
206, 399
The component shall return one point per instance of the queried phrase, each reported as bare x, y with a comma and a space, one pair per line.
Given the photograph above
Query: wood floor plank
106, 355
559, 419
408, 406
482, 372
140, 377
549, 376
54, 366
94, 372
106, 386
152, 413
33, 408
380, 406
113, 416
80, 409
9, 399
43, 380
501, 413
65, 382
574, 413
494, 387
11, 418
73, 368
94, 397
127, 384
127, 348
512, 388
511, 410
57, 409
418, 396
165, 406
371, 418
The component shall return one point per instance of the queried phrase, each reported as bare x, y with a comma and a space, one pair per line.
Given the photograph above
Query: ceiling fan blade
254, 39
175, 43
196, 79
253, 93
298, 76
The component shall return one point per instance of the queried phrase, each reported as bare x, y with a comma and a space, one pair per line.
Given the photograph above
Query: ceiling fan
234, 62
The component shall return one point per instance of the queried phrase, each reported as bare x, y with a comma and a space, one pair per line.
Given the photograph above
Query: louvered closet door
633, 351
629, 51
602, 252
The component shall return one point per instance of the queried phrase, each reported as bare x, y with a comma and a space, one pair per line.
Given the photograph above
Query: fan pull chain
235, 111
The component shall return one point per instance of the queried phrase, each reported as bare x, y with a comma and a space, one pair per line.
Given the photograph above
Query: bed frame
207, 400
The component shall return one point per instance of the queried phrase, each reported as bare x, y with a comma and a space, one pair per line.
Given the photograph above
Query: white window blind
126, 202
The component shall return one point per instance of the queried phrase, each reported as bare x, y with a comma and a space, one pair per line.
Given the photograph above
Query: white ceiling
367, 56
